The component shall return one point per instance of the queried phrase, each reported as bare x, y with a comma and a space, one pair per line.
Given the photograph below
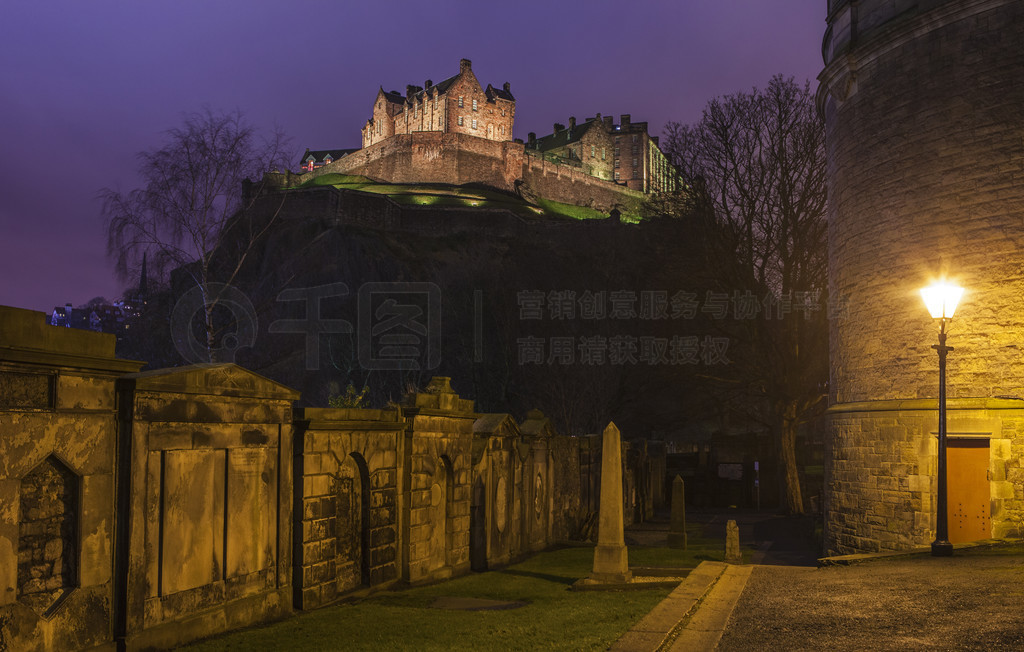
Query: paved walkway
972, 601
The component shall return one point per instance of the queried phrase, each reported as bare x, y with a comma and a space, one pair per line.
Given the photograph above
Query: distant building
98, 317
458, 104
314, 159
624, 153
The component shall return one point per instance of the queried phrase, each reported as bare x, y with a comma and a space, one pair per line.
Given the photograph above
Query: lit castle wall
922, 101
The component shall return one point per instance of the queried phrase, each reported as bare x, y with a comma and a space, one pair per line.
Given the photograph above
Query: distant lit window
616, 175
635, 136
616, 151
460, 120
474, 105
616, 139
474, 123
593, 148
503, 113
460, 101
603, 154
616, 165
634, 161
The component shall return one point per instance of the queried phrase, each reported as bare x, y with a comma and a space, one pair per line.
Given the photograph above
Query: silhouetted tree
755, 165
192, 205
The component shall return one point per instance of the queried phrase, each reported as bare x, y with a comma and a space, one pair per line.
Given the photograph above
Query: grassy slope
457, 196
555, 618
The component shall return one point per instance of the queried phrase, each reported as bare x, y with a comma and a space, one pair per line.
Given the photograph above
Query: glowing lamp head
941, 299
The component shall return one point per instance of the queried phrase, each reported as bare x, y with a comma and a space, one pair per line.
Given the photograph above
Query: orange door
967, 490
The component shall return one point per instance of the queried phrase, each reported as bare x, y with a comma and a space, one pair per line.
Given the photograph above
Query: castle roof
319, 155
499, 93
564, 137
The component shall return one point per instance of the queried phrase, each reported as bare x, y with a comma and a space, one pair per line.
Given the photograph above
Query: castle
458, 132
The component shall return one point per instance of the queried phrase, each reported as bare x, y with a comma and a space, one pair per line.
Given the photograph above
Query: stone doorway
968, 494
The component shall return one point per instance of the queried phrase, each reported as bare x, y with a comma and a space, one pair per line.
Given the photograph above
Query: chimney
531, 139
624, 121
559, 127
464, 65
607, 122
508, 87
411, 90
572, 122
654, 139
428, 83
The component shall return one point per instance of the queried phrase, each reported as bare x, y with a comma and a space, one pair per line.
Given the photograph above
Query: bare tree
755, 165
192, 206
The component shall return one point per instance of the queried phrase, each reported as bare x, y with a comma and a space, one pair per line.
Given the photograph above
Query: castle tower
923, 107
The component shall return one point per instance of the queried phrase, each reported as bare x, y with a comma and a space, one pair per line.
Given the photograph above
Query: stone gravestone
611, 564
732, 543
677, 527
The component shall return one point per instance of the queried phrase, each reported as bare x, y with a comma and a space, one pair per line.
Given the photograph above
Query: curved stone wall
923, 105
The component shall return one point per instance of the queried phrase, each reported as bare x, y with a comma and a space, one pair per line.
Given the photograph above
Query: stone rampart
457, 159
571, 185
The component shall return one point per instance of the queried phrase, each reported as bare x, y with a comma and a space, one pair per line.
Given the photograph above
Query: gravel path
972, 601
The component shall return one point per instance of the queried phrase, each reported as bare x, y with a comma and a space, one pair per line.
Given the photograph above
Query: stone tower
924, 109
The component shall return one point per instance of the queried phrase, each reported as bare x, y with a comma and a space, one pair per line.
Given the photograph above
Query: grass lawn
427, 194
554, 617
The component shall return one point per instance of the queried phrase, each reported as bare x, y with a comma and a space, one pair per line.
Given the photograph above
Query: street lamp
941, 299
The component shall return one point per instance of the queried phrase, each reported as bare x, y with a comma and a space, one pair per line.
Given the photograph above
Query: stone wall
453, 158
436, 453
922, 105
58, 432
346, 502
146, 510
209, 523
433, 157
571, 185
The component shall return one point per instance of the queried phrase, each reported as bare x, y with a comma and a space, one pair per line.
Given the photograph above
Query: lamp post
941, 299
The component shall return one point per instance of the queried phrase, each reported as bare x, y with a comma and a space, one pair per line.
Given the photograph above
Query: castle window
474, 105
460, 101
635, 137
616, 165
474, 123
616, 175
460, 120
503, 113
603, 154
616, 151
593, 148
634, 161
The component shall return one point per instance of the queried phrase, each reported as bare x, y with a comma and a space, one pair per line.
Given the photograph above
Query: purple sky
84, 86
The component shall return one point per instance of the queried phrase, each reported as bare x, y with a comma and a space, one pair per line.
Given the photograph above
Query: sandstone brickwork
146, 510
58, 429
436, 482
922, 105
346, 536
458, 104
209, 450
